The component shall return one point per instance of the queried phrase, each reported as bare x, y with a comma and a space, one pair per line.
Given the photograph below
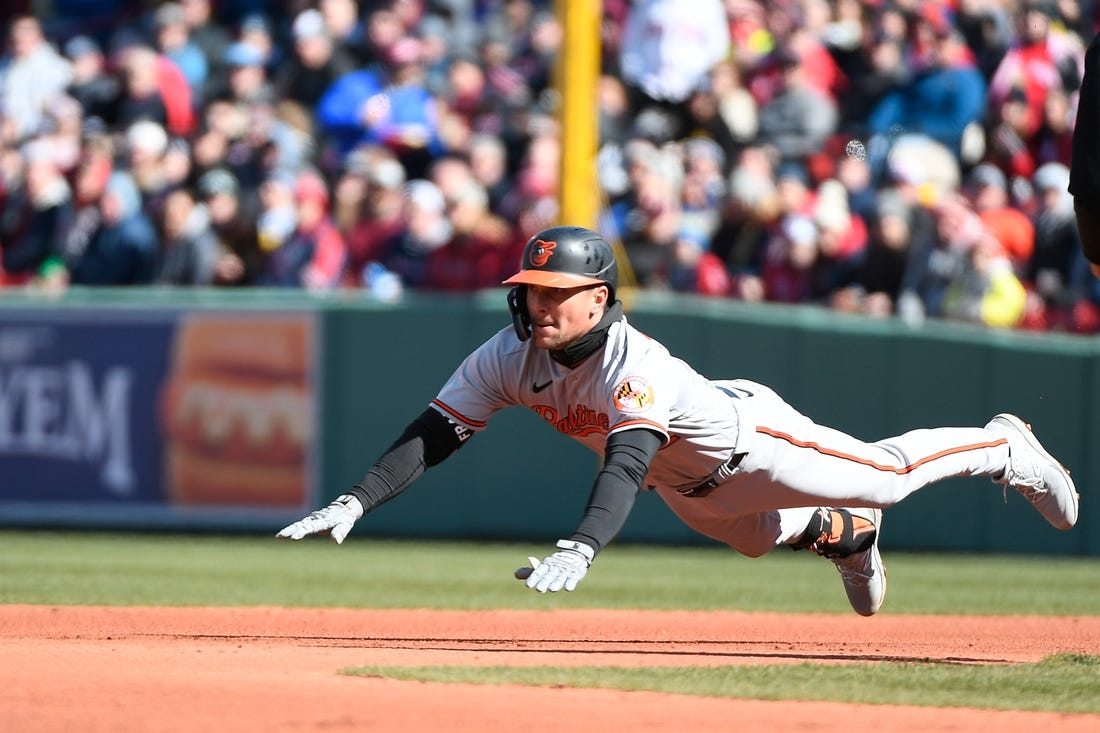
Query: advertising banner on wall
162, 418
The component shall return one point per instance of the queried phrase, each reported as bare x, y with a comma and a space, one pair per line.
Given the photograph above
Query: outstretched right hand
564, 569
337, 519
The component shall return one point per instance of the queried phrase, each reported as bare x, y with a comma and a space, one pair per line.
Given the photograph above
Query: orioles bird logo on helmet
560, 257
542, 252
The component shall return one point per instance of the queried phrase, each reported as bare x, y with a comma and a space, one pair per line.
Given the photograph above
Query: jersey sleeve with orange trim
647, 387
643, 383
484, 383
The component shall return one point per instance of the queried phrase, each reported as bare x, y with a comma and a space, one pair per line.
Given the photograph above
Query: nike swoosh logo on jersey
536, 388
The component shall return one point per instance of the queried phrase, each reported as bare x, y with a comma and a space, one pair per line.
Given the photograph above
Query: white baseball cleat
1035, 473
863, 573
849, 537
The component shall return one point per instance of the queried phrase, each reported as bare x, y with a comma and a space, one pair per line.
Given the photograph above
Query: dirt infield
247, 670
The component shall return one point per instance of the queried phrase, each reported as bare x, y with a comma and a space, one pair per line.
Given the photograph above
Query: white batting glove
337, 519
563, 569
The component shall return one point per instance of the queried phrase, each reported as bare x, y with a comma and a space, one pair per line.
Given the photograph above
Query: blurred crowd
898, 158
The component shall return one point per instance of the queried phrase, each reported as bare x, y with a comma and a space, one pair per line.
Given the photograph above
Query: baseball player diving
730, 457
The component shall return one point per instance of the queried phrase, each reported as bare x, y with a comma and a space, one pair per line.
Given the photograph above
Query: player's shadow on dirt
625, 648
670, 648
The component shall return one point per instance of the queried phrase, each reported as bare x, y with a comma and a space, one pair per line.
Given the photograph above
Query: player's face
560, 316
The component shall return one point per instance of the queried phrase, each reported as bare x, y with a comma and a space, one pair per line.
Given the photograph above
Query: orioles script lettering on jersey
580, 420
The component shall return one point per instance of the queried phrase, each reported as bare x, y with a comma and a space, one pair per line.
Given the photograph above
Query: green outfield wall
378, 365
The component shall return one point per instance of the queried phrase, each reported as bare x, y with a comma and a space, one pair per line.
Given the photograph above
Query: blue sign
161, 417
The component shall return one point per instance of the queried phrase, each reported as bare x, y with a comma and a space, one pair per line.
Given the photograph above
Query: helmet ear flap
517, 306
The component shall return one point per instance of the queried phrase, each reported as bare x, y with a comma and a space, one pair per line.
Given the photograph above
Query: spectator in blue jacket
389, 107
945, 95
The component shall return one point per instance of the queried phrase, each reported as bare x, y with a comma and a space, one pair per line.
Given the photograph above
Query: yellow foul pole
577, 74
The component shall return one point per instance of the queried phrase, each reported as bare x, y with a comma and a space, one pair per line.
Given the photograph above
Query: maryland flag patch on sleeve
633, 394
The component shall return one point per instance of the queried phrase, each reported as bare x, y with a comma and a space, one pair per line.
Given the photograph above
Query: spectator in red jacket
481, 250
155, 89
1046, 58
313, 257
378, 217
987, 188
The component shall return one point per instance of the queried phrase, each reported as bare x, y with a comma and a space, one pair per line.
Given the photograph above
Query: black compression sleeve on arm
1088, 228
427, 440
626, 462
1084, 166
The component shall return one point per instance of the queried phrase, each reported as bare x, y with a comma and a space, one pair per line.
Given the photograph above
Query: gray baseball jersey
632, 382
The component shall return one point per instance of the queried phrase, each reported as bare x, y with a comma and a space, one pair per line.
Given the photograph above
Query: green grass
1063, 683
71, 568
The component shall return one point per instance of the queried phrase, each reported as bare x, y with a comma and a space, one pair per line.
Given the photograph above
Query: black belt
711, 483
